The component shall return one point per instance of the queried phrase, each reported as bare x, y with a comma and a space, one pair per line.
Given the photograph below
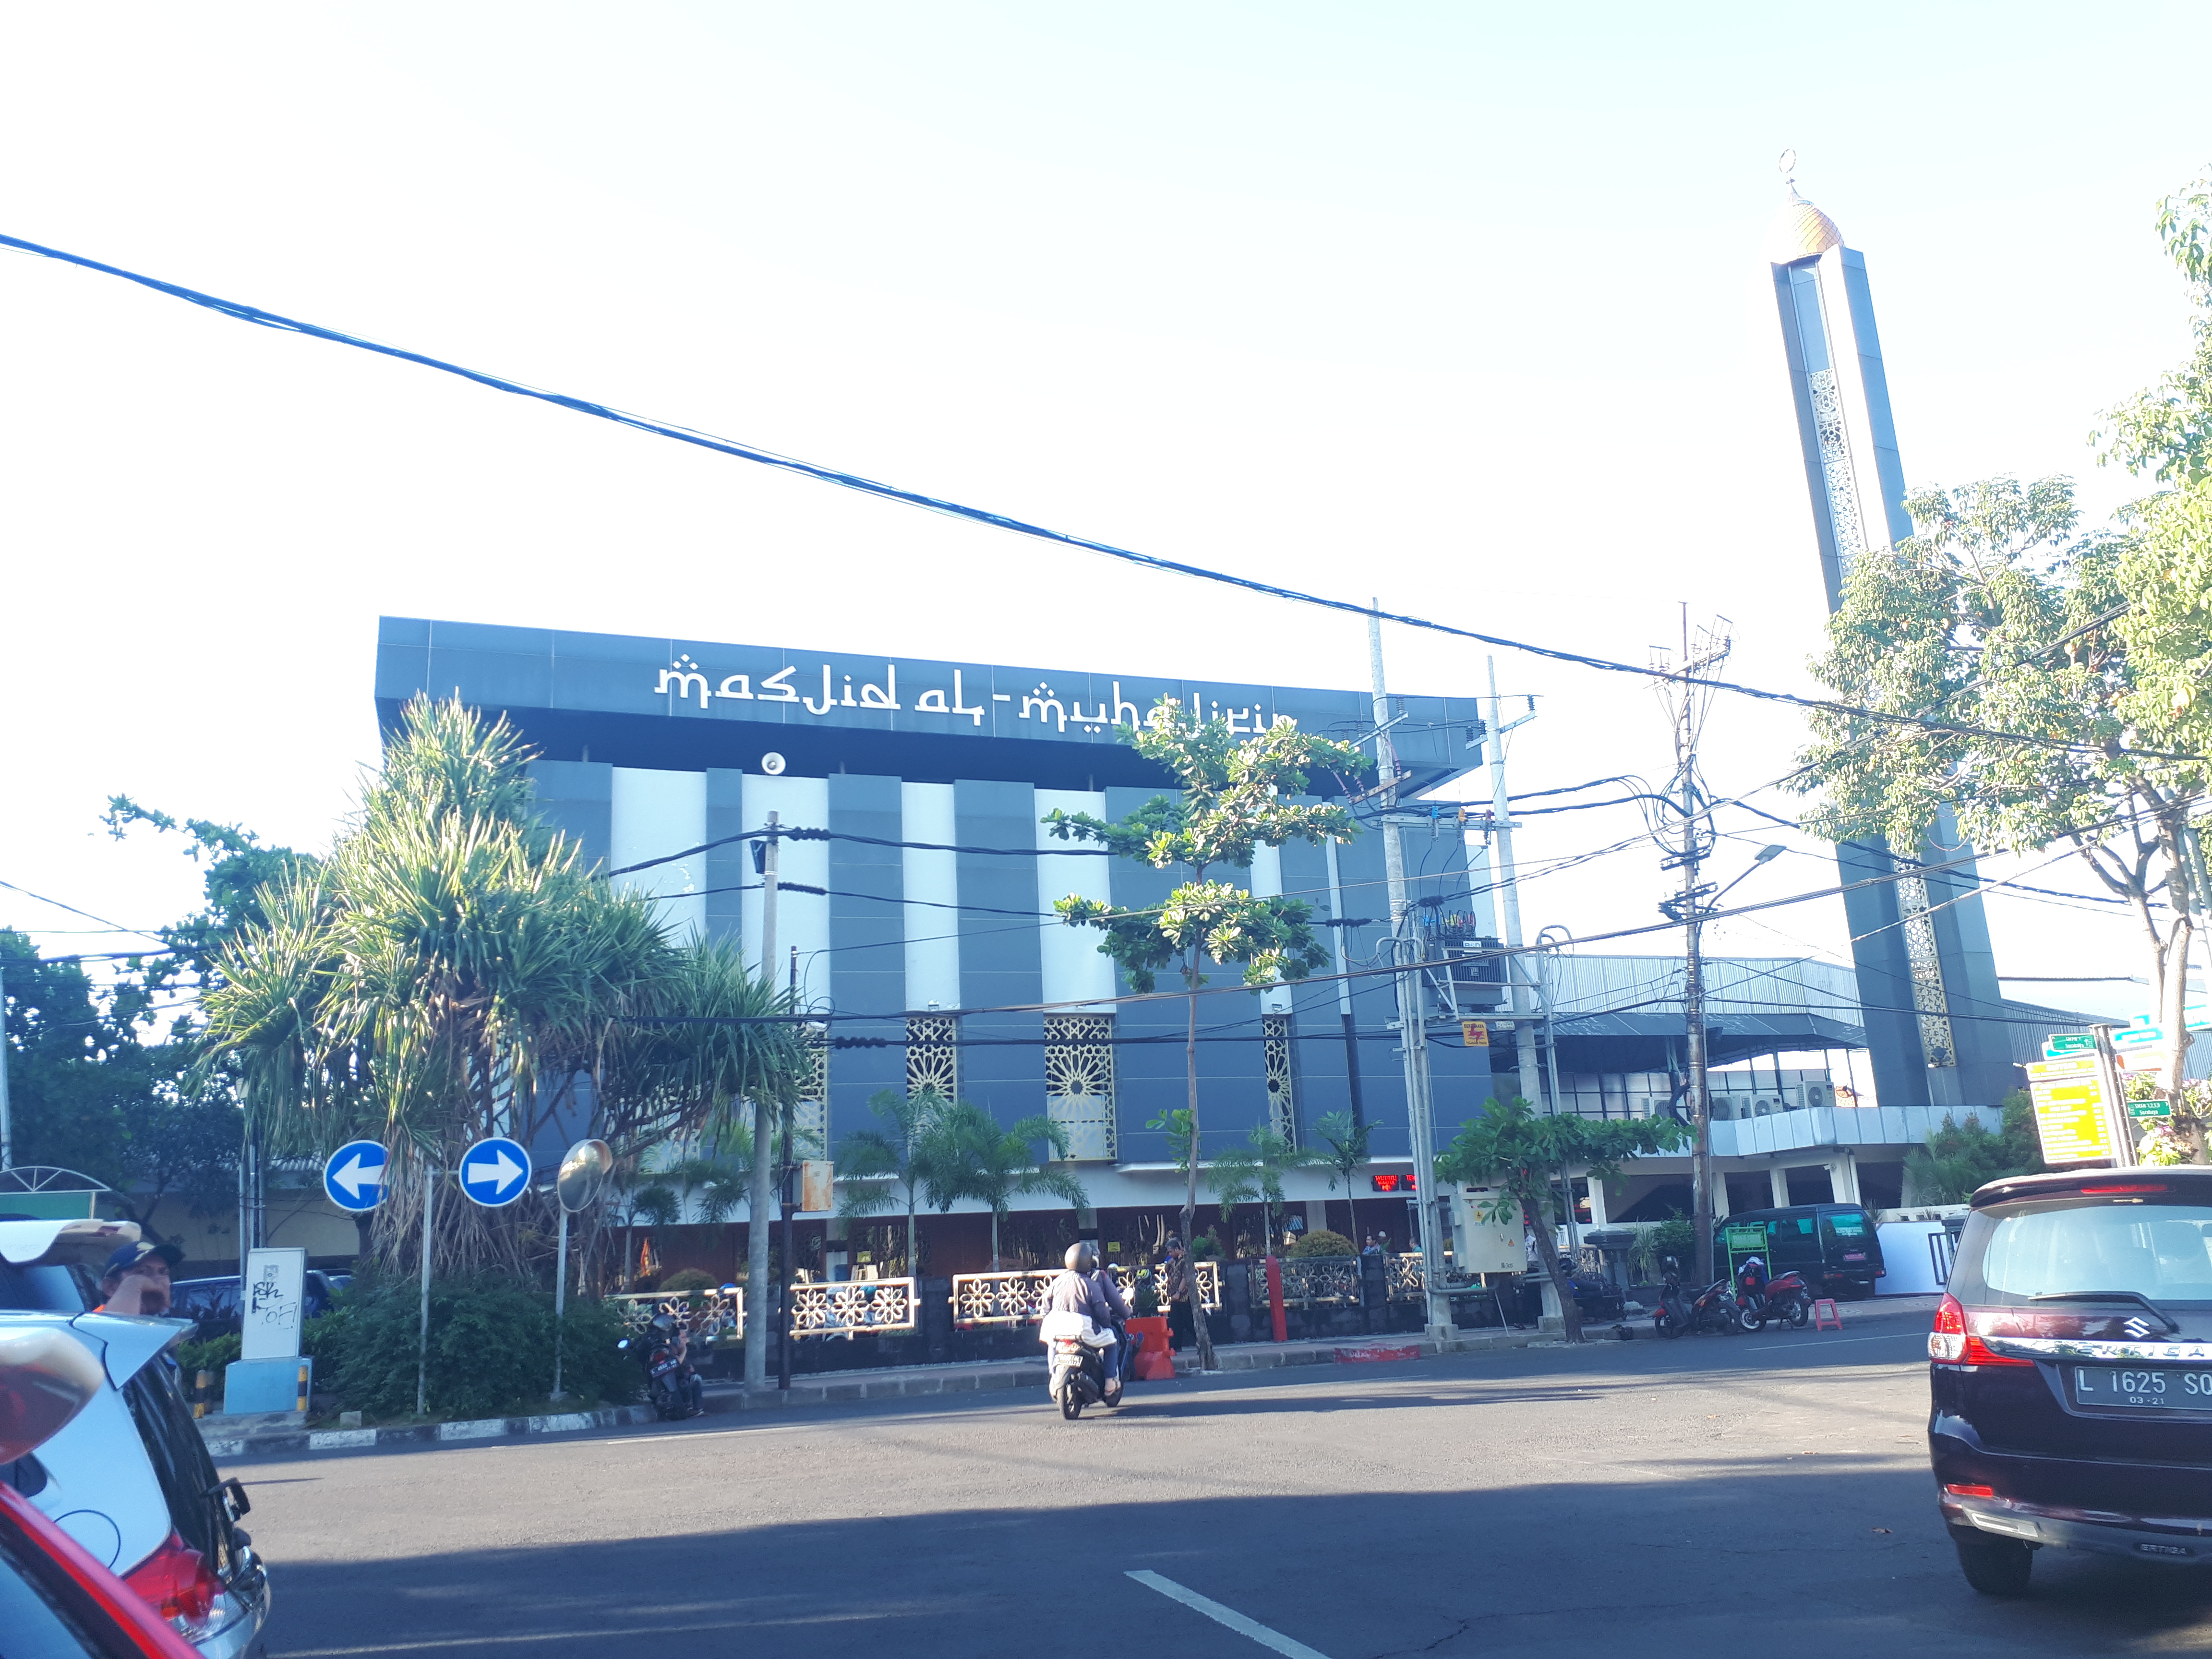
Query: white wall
1073, 970
801, 919
654, 814
932, 933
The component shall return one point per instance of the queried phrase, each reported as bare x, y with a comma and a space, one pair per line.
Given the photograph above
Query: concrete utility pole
790, 1254
7, 1119
1686, 710
1509, 892
761, 1200
1413, 1017
1344, 992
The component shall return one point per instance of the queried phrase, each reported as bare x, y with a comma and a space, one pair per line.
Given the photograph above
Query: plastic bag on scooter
1067, 1323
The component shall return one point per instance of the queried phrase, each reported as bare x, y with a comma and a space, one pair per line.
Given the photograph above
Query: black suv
2072, 1372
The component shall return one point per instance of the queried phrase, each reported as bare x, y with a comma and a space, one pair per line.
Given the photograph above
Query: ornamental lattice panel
933, 1059
1078, 1081
809, 1117
1282, 1075
1921, 950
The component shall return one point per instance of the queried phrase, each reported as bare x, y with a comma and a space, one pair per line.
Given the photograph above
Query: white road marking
1894, 1336
1228, 1616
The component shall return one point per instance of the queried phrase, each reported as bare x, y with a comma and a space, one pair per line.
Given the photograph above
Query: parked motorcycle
671, 1387
1711, 1311
1601, 1302
1671, 1318
1079, 1353
1784, 1301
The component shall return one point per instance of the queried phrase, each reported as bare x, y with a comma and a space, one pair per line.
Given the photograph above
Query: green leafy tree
1235, 797
1959, 1158
1519, 1151
1253, 1174
966, 1154
1995, 623
878, 1167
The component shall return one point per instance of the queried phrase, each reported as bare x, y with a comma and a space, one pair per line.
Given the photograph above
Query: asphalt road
1715, 1495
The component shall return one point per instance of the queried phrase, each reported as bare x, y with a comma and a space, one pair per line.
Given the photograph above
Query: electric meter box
1486, 1231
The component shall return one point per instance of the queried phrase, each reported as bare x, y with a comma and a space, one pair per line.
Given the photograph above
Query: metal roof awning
1652, 1042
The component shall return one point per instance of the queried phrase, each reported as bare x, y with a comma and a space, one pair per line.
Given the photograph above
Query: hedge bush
491, 1348
690, 1278
1321, 1241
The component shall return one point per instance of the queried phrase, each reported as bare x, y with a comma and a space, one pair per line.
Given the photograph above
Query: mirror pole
560, 1296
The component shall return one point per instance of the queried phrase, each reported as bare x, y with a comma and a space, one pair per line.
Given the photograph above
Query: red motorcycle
1785, 1301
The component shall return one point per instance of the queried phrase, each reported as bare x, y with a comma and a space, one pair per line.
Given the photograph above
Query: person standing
1178, 1283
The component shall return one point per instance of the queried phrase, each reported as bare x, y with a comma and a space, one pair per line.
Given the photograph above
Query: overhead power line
246, 313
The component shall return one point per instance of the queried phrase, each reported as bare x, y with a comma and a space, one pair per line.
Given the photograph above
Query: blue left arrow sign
495, 1171
353, 1175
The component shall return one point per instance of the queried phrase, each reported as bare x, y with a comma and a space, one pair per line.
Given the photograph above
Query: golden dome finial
1801, 231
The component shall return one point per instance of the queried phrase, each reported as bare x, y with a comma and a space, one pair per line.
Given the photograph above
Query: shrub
211, 1355
491, 1348
1206, 1247
691, 1279
1321, 1241
1677, 1236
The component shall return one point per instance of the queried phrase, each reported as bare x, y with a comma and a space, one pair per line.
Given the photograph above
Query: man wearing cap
137, 1280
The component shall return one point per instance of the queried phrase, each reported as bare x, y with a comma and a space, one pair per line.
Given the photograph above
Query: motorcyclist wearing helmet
667, 1336
1076, 1289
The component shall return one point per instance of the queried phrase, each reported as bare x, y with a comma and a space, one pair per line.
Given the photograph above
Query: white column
801, 919
1267, 883
653, 814
1779, 1183
1074, 968
1597, 1203
1844, 1177
933, 932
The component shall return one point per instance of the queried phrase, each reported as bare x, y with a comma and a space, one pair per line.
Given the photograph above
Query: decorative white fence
1403, 1277
849, 1308
1018, 1299
705, 1314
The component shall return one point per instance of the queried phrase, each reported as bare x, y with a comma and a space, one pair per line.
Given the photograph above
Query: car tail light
1972, 1491
177, 1583
1951, 1343
2100, 1190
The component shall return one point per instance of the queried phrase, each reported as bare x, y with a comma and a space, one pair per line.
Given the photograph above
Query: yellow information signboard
2071, 1116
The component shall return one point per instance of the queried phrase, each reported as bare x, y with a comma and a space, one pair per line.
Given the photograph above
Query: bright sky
1467, 307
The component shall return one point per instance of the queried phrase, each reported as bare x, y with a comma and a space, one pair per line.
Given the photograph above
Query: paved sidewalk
277, 1433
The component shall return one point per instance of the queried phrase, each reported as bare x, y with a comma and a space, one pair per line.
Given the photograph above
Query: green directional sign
2059, 1043
2150, 1108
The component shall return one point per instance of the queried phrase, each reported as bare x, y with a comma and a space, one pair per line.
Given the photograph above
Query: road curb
262, 1442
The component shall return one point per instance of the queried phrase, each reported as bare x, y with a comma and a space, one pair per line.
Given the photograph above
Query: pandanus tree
451, 970
1234, 797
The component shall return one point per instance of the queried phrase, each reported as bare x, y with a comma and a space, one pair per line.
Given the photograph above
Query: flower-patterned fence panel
1009, 1298
1402, 1277
705, 1314
1209, 1282
853, 1307
1329, 1281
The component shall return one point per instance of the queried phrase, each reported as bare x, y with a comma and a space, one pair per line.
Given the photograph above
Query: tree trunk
995, 1238
913, 1267
761, 1202
1203, 1336
1570, 1313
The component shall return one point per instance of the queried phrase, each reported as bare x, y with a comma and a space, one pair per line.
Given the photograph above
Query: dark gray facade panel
1884, 972
729, 867
1001, 961
578, 798
1804, 344
1148, 1077
1889, 466
867, 943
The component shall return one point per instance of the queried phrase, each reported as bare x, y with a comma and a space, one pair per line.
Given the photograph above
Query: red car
55, 1599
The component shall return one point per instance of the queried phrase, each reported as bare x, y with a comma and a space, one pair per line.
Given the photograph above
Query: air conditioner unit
1817, 1095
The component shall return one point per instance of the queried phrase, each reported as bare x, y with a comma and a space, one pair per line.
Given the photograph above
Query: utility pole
1509, 892
1412, 1018
790, 1256
761, 1202
1686, 712
1343, 993
7, 1118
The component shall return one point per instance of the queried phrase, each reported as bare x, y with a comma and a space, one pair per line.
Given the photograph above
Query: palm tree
967, 1155
900, 1149
1253, 1174
1344, 1149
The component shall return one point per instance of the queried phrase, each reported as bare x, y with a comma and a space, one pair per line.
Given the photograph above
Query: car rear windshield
47, 1287
2013, 1253
179, 1457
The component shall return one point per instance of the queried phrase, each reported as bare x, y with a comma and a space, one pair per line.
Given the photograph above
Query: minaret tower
1927, 979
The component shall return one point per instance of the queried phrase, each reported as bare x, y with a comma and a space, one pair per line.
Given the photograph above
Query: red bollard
1275, 1298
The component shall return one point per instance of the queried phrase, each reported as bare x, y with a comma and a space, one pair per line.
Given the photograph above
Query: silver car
131, 1478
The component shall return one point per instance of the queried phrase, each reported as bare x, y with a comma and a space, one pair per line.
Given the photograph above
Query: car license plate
2148, 1388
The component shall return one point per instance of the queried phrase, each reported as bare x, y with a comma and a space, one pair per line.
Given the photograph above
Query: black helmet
1081, 1258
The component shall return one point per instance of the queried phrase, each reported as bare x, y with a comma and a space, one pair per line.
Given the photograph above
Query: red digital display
1393, 1183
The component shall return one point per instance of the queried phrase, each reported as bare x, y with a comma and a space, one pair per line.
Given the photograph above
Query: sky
1465, 307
